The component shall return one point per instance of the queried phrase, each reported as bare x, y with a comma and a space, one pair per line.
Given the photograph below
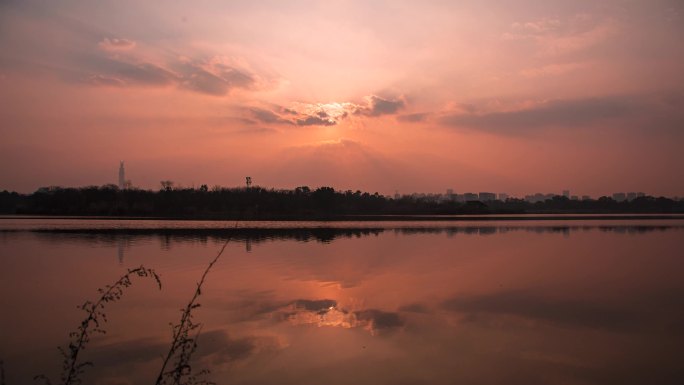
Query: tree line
300, 203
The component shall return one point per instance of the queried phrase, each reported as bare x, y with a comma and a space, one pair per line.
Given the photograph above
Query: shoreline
376, 218
169, 226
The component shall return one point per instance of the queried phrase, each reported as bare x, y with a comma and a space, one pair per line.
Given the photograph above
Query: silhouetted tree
167, 185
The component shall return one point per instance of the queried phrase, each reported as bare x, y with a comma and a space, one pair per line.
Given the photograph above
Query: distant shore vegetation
258, 203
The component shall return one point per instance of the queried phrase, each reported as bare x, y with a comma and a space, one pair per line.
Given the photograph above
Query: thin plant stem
181, 342
71, 367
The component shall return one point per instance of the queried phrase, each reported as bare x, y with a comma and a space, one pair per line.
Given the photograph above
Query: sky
408, 96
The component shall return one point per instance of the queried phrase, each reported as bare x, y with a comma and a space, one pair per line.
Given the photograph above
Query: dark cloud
216, 346
630, 111
131, 351
117, 71
210, 77
554, 113
322, 114
268, 116
144, 74
205, 82
220, 348
379, 319
318, 306
327, 312
219, 81
290, 117
234, 77
378, 106
315, 121
568, 313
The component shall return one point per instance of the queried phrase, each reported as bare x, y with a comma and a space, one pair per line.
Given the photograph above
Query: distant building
566, 193
574, 198
503, 197
619, 197
470, 197
631, 196
586, 198
640, 195
538, 197
122, 176
487, 196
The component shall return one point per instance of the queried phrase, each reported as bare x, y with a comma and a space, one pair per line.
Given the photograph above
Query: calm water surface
507, 302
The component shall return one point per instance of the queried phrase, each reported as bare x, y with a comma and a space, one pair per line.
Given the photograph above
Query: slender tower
122, 176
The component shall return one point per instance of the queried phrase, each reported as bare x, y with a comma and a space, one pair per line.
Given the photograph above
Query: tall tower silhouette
122, 176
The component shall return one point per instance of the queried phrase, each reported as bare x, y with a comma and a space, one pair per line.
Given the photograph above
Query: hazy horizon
177, 185
536, 96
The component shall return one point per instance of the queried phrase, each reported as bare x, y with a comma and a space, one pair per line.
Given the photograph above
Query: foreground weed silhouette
175, 369
72, 368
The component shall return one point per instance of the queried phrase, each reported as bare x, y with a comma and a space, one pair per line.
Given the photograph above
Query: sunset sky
414, 96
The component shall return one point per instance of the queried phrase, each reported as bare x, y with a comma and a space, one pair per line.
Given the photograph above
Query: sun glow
334, 111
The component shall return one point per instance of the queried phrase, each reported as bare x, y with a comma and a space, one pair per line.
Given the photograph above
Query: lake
541, 301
